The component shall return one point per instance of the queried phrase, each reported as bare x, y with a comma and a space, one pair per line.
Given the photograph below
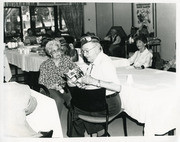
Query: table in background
26, 62
151, 98
45, 117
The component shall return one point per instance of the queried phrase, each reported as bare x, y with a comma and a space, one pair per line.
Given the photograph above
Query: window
25, 19
42, 19
12, 24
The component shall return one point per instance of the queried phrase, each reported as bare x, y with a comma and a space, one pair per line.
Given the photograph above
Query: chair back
89, 100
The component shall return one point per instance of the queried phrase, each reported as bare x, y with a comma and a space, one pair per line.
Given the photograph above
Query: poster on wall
143, 14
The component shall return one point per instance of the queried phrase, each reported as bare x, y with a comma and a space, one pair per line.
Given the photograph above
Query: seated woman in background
30, 39
52, 72
143, 57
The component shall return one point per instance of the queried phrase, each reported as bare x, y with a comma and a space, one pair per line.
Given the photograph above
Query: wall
103, 15
90, 18
166, 29
99, 17
123, 16
104, 18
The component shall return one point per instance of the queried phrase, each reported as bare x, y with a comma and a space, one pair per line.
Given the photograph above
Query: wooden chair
92, 101
42, 89
107, 120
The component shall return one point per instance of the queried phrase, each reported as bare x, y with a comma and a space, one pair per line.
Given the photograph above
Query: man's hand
88, 80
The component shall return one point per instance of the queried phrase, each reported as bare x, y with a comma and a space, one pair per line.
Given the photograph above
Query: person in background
143, 31
52, 72
115, 40
17, 104
100, 73
170, 65
30, 39
143, 57
73, 53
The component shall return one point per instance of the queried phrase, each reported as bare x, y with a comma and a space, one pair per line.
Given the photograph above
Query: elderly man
100, 74
115, 40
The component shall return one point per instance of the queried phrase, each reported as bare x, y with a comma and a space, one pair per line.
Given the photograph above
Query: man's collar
97, 60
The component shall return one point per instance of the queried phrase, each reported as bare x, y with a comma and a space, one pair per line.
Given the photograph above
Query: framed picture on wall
144, 14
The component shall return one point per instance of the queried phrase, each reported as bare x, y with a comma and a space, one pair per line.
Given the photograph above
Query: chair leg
106, 134
124, 124
171, 133
69, 123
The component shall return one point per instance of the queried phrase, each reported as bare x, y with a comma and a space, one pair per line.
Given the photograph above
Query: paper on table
129, 80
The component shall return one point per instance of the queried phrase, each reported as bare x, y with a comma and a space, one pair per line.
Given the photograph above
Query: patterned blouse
50, 74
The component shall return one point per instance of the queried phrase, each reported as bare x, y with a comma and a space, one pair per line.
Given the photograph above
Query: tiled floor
115, 128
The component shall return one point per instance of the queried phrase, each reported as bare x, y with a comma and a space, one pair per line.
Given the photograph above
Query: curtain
73, 17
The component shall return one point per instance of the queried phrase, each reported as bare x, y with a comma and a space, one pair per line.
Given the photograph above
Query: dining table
150, 96
30, 61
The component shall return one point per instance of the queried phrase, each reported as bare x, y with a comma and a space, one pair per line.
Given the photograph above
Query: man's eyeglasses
87, 51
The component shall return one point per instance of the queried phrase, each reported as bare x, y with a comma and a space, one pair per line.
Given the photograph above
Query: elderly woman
52, 72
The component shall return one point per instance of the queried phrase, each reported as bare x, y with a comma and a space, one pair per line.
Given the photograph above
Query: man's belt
112, 95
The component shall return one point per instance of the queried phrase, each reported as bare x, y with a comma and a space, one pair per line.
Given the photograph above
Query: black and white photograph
89, 71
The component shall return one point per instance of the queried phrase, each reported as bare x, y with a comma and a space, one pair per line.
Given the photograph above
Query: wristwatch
98, 84
142, 67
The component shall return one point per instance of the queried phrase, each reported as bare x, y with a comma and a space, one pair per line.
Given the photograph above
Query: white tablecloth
32, 61
120, 62
27, 62
151, 98
45, 117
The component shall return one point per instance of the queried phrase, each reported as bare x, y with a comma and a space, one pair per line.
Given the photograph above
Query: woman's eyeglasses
56, 51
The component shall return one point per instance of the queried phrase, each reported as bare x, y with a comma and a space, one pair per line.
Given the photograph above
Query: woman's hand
57, 87
139, 67
54, 86
71, 83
